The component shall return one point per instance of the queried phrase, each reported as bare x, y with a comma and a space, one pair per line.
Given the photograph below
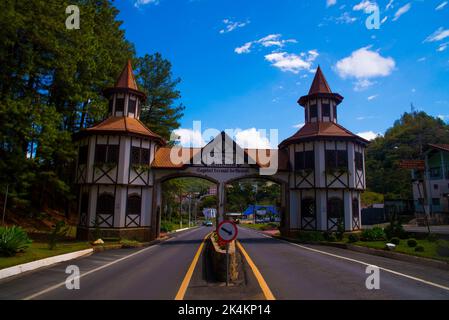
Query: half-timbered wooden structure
122, 164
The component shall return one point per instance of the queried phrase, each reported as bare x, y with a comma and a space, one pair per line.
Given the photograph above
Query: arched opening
255, 202
186, 201
335, 213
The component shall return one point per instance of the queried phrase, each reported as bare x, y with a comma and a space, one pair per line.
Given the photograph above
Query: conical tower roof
319, 83
126, 78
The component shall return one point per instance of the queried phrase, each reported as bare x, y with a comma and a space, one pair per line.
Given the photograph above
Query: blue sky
244, 64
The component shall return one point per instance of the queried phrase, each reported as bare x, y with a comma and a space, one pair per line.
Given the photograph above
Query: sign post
227, 232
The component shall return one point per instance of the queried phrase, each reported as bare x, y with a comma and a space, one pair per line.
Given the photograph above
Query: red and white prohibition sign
227, 231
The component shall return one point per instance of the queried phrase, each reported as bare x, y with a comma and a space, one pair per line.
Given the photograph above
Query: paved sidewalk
443, 229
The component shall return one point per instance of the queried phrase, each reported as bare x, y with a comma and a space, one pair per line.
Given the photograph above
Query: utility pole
4, 205
190, 205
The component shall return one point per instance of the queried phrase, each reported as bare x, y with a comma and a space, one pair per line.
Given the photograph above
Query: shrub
419, 249
329, 236
310, 236
395, 241
340, 230
374, 234
432, 237
353, 238
13, 240
59, 231
412, 243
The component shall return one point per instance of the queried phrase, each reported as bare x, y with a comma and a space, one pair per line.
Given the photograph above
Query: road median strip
262, 283
185, 282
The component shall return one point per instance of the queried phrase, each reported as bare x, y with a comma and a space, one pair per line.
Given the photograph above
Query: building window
132, 106
110, 105
140, 156
335, 208
355, 207
106, 153
326, 110
435, 172
82, 155
334, 109
134, 204
358, 160
304, 160
336, 159
119, 104
435, 187
308, 208
84, 203
105, 204
306, 114
313, 111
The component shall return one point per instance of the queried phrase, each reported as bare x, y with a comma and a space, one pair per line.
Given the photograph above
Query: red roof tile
321, 130
319, 83
122, 125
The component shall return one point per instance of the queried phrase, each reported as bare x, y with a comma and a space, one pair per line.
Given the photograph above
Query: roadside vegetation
261, 226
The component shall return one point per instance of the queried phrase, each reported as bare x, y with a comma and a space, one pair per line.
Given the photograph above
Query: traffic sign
227, 231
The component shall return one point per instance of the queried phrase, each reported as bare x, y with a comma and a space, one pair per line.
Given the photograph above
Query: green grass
39, 250
261, 226
430, 248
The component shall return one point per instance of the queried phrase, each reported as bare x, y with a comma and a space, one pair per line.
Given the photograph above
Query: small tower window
132, 106
111, 103
358, 160
313, 111
336, 159
82, 155
119, 104
134, 204
326, 110
334, 109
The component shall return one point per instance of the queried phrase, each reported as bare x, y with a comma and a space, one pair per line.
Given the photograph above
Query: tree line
51, 82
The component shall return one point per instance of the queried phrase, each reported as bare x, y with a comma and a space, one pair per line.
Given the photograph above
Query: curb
29, 266
381, 253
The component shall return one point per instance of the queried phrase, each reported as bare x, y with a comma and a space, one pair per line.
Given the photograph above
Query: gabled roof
163, 160
126, 78
122, 125
443, 147
319, 83
325, 130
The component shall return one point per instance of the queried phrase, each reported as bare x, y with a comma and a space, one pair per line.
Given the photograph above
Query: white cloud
441, 6
346, 18
365, 5
330, 3
422, 59
438, 35
139, 3
232, 25
372, 97
252, 138
364, 64
290, 62
299, 125
271, 40
442, 46
246, 48
443, 117
384, 19
363, 84
368, 135
389, 5
189, 138
401, 11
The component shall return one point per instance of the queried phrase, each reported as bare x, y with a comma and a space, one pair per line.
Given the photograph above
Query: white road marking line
365, 264
100, 268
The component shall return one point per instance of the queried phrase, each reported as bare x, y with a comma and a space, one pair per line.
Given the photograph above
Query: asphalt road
155, 272
291, 272
307, 272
